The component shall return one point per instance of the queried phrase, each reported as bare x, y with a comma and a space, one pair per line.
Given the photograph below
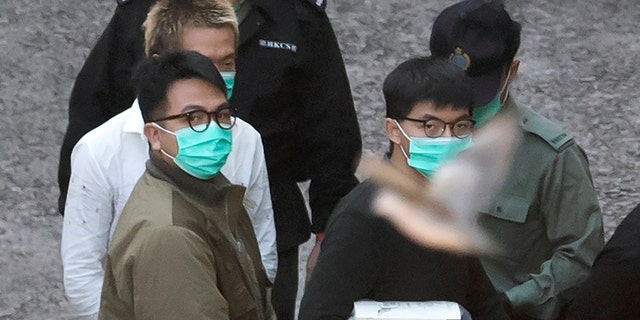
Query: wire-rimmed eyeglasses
434, 127
199, 120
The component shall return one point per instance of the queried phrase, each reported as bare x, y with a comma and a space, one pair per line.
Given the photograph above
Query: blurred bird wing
442, 213
427, 228
469, 183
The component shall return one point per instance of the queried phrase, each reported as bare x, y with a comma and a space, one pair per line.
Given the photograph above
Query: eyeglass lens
199, 120
437, 127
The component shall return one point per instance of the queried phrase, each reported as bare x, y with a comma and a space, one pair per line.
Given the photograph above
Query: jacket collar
254, 20
210, 192
134, 122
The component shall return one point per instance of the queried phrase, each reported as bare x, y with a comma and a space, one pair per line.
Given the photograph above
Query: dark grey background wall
579, 63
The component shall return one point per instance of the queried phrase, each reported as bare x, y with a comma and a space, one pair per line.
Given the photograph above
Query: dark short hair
153, 77
426, 79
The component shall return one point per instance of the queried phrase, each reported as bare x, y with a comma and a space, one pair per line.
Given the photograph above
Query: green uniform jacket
546, 218
184, 249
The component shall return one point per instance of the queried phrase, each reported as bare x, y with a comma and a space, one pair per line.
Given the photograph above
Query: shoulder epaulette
544, 128
123, 2
318, 4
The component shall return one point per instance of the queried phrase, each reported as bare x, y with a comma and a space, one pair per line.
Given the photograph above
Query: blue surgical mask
201, 154
229, 78
429, 154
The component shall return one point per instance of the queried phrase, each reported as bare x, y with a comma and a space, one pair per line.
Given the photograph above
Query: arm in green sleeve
573, 221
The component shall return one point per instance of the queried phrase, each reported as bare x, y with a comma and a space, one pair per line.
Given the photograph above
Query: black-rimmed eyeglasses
199, 120
435, 127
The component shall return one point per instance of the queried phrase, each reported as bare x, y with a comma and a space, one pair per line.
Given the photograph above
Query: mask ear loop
400, 127
169, 132
505, 87
163, 129
406, 136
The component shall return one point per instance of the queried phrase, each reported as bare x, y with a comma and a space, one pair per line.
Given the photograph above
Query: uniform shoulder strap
310, 10
544, 128
318, 4
123, 2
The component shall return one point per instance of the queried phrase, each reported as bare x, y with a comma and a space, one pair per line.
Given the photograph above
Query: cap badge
460, 58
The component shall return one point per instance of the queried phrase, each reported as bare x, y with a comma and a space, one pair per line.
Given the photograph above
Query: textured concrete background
579, 63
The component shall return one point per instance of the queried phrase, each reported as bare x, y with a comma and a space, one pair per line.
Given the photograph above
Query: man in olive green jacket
184, 247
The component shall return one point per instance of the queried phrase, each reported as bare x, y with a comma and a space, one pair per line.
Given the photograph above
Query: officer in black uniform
291, 85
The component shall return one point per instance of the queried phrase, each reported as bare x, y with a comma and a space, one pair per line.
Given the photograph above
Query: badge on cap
460, 58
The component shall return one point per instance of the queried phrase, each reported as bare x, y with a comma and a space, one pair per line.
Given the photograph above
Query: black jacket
364, 257
291, 85
612, 289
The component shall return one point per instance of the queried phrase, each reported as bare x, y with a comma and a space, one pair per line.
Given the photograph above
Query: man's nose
448, 130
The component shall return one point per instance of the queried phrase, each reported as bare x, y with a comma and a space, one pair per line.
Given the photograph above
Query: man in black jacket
428, 122
291, 85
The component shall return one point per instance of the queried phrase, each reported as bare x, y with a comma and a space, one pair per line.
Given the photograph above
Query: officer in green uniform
547, 216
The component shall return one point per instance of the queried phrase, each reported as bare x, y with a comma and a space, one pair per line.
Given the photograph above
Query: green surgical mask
429, 154
483, 114
201, 154
229, 78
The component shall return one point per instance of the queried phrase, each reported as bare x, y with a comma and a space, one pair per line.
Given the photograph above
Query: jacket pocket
506, 222
509, 207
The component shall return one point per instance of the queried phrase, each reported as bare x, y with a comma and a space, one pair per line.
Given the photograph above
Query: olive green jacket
546, 218
184, 249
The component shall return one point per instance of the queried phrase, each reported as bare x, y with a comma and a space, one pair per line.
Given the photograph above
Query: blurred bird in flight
442, 214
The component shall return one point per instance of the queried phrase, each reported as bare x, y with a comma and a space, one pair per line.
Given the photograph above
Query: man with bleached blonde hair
166, 19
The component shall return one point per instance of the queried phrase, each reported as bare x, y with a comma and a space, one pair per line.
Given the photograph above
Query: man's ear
153, 135
392, 130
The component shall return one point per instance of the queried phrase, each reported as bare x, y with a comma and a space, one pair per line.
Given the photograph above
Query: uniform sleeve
574, 224
174, 278
261, 212
347, 268
331, 130
102, 89
85, 231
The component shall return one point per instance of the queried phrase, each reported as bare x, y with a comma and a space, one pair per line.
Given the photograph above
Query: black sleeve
612, 288
347, 268
625, 242
102, 89
331, 132
484, 302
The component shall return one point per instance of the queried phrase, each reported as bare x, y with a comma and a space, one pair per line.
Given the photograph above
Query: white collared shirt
105, 166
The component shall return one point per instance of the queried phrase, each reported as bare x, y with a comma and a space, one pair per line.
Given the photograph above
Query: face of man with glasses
195, 104
424, 123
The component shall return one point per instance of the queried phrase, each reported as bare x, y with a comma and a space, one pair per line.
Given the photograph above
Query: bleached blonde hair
167, 18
